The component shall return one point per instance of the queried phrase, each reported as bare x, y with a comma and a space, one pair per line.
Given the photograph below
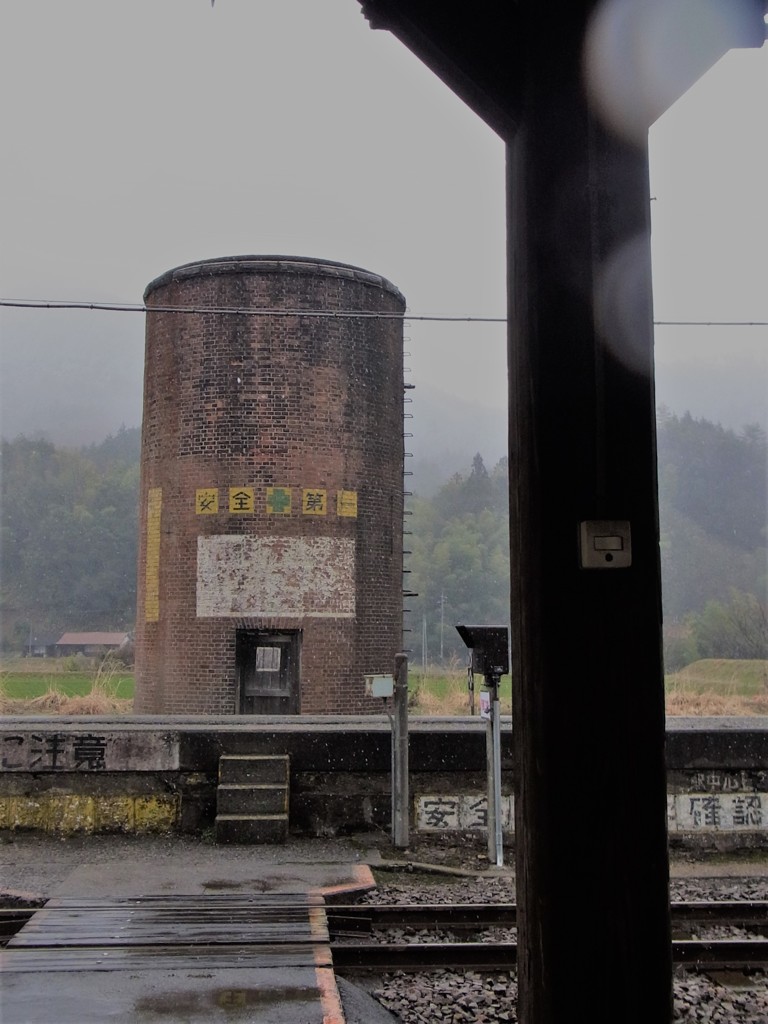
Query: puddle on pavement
226, 885
233, 1000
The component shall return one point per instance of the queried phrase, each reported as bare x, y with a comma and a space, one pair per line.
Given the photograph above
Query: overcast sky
142, 134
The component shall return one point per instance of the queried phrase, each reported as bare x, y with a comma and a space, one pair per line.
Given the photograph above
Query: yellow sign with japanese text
241, 499
206, 501
346, 503
314, 502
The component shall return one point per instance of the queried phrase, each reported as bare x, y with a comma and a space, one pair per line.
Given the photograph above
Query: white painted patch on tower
307, 577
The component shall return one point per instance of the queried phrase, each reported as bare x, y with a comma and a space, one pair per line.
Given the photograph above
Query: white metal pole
496, 719
490, 761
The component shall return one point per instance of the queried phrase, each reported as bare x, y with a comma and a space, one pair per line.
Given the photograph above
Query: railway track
358, 917
731, 954
347, 923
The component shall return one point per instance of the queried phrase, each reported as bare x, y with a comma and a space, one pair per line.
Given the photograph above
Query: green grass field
727, 678
27, 685
438, 692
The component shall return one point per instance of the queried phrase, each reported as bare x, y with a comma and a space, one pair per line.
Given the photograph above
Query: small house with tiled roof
90, 644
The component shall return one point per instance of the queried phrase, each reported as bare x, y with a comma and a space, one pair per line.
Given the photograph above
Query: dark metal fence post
400, 799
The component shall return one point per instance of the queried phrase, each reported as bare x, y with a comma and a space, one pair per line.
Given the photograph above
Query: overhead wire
339, 314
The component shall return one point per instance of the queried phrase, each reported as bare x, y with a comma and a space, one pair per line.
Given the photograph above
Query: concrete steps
252, 798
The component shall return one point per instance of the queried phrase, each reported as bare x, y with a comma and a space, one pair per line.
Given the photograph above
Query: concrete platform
192, 996
173, 943
138, 878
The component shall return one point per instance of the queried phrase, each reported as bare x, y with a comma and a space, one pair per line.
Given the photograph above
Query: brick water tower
270, 562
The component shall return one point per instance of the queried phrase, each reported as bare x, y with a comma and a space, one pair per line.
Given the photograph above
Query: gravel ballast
453, 997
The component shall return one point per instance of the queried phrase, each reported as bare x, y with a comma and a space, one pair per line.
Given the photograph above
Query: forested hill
713, 498
713, 503
68, 541
68, 544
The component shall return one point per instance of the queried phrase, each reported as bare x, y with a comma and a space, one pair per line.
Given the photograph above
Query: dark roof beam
468, 46
476, 49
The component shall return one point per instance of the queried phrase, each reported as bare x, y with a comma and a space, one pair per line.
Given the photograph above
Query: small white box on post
396, 685
379, 686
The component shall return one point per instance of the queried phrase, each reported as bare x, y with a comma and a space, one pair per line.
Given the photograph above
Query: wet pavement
40, 863
133, 931
282, 982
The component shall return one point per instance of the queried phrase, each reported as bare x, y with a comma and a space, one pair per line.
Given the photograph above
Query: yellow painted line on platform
114, 814
67, 813
71, 812
155, 813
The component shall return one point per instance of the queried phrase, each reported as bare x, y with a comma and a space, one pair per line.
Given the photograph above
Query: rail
357, 917
228, 933
354, 920
733, 954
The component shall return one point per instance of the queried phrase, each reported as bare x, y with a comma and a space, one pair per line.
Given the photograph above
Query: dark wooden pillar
588, 711
588, 700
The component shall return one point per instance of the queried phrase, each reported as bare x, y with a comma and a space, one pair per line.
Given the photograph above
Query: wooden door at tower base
267, 672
